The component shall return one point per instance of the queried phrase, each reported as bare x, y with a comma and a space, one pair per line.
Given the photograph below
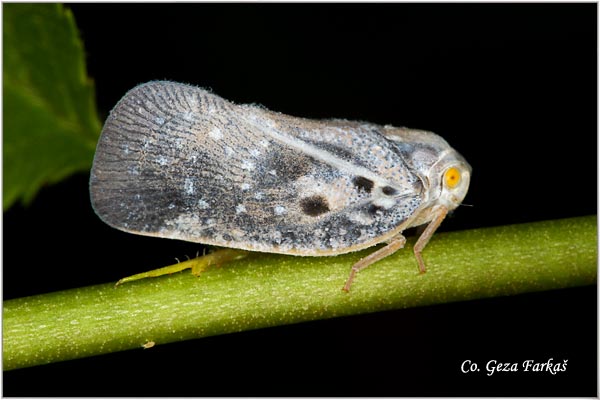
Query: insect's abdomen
176, 161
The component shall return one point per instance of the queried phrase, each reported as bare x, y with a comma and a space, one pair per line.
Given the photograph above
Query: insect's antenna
466, 205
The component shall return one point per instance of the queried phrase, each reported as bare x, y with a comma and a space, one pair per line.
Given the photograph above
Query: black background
510, 86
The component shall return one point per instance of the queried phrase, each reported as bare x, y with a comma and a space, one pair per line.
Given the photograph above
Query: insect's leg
198, 264
395, 244
217, 257
439, 215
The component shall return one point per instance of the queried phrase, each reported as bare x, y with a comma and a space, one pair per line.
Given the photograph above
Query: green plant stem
267, 290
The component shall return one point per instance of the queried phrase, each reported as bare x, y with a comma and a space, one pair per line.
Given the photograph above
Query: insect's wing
176, 161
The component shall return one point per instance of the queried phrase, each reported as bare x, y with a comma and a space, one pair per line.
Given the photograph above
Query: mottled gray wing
177, 161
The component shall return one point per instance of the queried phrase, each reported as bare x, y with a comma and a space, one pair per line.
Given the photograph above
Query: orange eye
452, 177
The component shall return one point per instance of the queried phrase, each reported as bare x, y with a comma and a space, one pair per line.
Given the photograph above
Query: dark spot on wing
388, 190
314, 205
374, 210
284, 165
363, 183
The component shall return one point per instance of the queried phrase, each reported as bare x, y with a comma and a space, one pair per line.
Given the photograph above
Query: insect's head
451, 176
444, 173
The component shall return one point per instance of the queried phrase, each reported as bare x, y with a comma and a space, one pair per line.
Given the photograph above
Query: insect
176, 161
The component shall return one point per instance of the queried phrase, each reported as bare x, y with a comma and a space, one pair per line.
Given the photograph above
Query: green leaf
50, 120
269, 290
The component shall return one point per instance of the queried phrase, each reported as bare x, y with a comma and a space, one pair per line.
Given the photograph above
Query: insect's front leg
439, 214
395, 244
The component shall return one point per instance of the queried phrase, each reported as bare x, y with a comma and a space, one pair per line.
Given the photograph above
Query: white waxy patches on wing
215, 134
188, 186
210, 108
336, 242
385, 202
192, 100
240, 208
360, 218
203, 204
245, 186
255, 153
279, 210
248, 165
162, 160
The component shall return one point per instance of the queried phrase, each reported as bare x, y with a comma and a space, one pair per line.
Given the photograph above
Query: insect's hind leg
395, 244
198, 264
